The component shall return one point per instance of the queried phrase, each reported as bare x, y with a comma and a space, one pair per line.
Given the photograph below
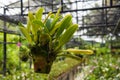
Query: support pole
21, 7
28, 5
62, 6
77, 12
52, 5
4, 46
111, 2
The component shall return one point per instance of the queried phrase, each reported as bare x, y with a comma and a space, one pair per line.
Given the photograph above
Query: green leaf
38, 23
41, 25
28, 25
53, 31
58, 12
35, 28
21, 25
70, 56
66, 36
64, 24
39, 13
50, 13
52, 16
26, 34
31, 16
55, 18
48, 24
79, 51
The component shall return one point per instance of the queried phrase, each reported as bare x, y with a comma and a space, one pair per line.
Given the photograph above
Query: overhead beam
8, 19
46, 2
64, 11
100, 34
12, 3
94, 26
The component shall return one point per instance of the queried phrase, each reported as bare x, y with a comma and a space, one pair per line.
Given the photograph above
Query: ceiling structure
95, 17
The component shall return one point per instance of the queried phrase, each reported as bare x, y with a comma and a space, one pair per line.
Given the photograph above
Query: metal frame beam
7, 19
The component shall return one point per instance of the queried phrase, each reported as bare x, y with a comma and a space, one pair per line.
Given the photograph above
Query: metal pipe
4, 47
87, 9
62, 6
111, 2
9, 32
21, 7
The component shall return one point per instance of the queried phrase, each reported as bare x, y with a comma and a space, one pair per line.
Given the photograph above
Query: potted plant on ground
46, 38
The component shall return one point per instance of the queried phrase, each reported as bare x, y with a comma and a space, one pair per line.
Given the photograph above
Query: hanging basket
42, 64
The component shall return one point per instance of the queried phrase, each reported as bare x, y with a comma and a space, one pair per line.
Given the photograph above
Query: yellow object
79, 51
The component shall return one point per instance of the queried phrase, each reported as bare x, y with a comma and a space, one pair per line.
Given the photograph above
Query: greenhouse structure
59, 39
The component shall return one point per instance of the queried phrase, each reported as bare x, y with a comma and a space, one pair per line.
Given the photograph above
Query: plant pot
42, 64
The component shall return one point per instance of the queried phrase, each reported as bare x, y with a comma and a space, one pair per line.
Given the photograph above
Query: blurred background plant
106, 67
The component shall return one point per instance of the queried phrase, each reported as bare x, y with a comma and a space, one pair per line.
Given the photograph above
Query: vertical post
103, 15
76, 11
21, 7
83, 22
83, 16
52, 6
4, 47
111, 2
62, 6
106, 19
28, 5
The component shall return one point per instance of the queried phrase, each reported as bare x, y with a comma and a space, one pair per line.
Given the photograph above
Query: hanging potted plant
47, 36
